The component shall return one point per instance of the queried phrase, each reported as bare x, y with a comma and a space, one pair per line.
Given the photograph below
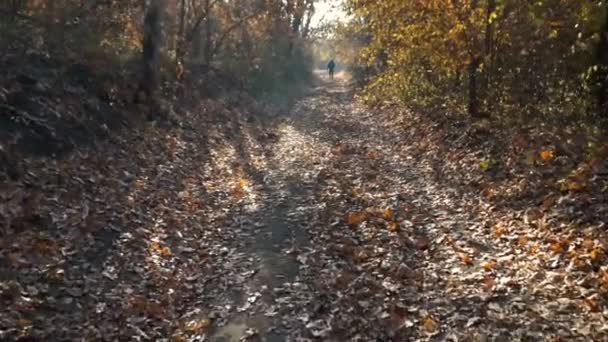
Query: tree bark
181, 39
473, 100
151, 51
488, 51
602, 74
208, 43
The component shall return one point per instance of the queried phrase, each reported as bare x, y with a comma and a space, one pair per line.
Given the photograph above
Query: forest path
331, 222
360, 239
282, 212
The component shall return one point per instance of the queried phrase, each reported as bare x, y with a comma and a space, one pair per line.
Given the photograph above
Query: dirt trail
418, 259
286, 208
328, 224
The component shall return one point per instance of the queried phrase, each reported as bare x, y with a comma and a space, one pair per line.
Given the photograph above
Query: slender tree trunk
208, 43
602, 74
473, 99
181, 39
489, 49
151, 51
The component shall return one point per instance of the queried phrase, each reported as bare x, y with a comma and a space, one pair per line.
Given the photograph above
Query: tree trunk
473, 100
488, 50
151, 51
208, 48
602, 74
181, 39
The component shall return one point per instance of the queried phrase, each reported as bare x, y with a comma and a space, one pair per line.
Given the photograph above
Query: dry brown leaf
388, 214
489, 283
523, 240
596, 254
592, 304
559, 246
24, 322
430, 325
355, 218
499, 230
197, 326
166, 252
155, 246
392, 226
422, 242
489, 265
466, 259
44, 246
548, 202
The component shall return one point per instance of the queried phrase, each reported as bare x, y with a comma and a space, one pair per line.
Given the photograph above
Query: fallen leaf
166, 252
489, 265
354, 219
24, 322
392, 226
197, 326
499, 231
592, 304
547, 155
489, 283
430, 325
422, 243
559, 246
466, 259
388, 214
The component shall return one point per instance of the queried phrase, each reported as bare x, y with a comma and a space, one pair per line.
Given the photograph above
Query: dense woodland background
516, 61
260, 44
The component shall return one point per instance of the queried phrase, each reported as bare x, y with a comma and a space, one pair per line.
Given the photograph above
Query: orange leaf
354, 219
559, 246
392, 226
466, 259
546, 155
490, 265
499, 231
388, 214
596, 254
155, 246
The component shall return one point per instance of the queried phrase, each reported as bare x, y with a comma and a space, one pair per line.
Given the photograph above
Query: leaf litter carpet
329, 224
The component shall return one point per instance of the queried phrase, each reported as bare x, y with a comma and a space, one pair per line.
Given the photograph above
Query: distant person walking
331, 67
